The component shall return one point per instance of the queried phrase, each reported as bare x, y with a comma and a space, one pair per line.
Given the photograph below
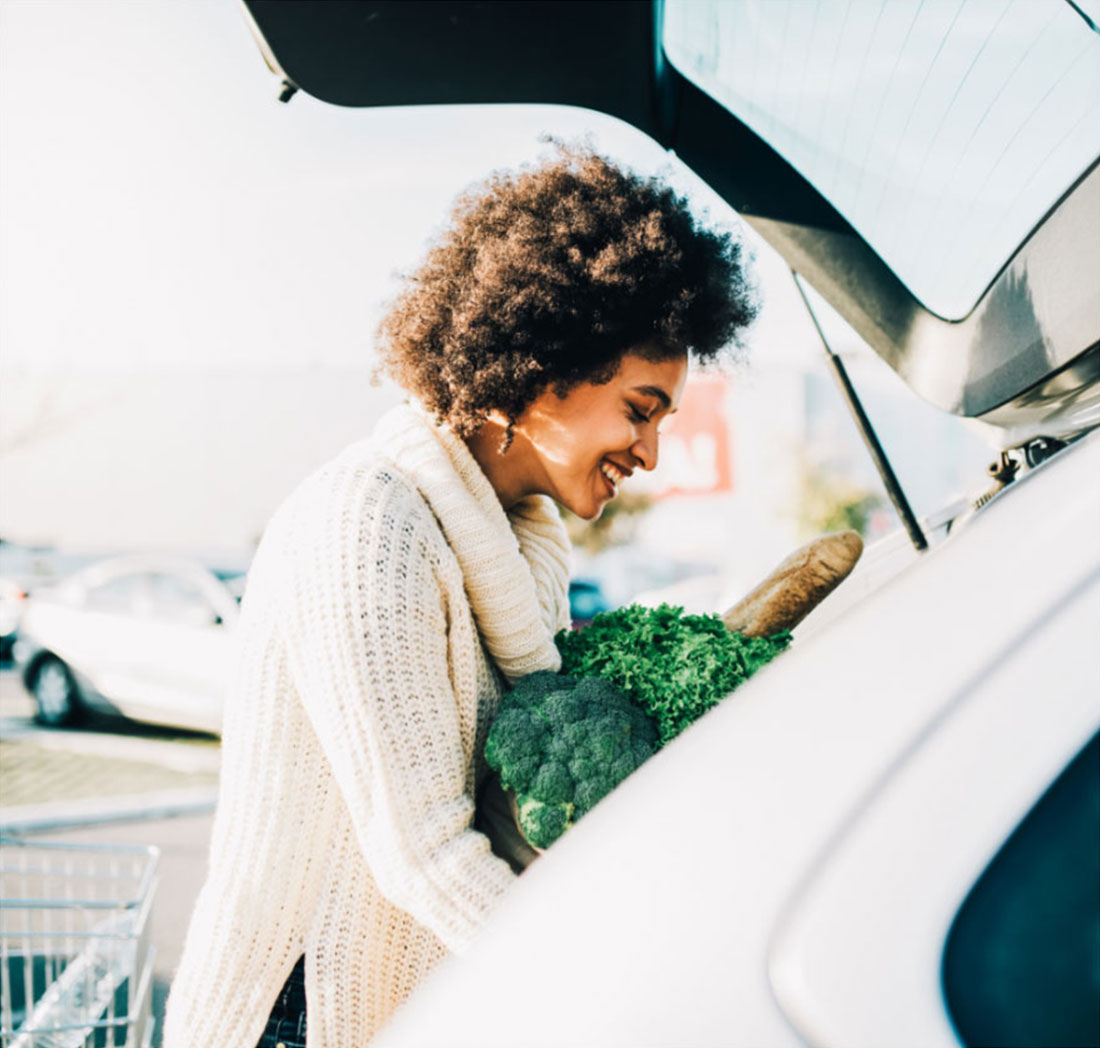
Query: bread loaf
797, 586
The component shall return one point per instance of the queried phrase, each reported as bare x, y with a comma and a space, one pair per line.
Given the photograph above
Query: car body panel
655, 916
878, 904
12, 597
391, 52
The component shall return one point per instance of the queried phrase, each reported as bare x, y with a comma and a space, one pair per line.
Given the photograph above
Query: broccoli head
674, 666
562, 745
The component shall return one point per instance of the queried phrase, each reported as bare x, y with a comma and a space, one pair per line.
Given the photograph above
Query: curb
58, 815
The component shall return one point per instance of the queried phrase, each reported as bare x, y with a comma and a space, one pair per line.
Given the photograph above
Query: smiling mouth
612, 476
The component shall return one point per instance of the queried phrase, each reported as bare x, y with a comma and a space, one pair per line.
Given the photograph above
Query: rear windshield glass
943, 131
1022, 959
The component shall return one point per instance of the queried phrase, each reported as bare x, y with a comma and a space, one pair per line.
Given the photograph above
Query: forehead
653, 377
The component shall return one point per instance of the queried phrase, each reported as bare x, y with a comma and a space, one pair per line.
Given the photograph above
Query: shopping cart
76, 962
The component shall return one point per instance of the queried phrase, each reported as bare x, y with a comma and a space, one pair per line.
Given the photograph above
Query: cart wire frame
76, 957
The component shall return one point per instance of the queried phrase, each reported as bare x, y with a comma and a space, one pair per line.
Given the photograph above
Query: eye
635, 415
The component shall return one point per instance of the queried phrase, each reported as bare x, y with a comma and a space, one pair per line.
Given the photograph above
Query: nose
644, 449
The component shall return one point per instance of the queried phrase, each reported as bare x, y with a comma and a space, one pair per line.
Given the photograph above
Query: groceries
672, 665
562, 745
631, 681
636, 677
797, 586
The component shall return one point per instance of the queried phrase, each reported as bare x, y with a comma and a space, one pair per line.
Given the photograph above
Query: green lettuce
675, 666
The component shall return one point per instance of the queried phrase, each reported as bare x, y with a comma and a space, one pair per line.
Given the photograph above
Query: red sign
696, 444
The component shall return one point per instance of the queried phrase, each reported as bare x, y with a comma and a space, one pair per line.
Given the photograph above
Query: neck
508, 473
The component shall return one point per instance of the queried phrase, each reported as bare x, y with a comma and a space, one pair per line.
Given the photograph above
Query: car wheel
56, 693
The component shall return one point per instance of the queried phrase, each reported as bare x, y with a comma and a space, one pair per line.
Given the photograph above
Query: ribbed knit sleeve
365, 627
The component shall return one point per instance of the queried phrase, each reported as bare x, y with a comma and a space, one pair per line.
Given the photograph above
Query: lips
612, 475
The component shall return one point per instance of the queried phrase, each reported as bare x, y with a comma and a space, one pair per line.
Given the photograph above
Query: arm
367, 645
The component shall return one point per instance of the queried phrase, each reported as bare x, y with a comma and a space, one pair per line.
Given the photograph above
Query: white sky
161, 207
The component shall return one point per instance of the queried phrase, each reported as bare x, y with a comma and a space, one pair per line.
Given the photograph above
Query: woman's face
580, 447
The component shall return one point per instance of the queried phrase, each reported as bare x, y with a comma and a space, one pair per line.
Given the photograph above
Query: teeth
612, 474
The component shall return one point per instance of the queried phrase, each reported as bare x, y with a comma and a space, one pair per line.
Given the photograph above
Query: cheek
596, 443
577, 443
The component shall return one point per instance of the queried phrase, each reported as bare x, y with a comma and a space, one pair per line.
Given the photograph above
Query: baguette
797, 586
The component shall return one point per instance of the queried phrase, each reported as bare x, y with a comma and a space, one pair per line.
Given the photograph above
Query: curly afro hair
546, 276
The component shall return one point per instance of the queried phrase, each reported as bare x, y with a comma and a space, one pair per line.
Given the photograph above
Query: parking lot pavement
16, 706
106, 770
35, 771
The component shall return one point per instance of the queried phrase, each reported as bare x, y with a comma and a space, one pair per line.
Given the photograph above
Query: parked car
147, 637
11, 607
586, 600
889, 836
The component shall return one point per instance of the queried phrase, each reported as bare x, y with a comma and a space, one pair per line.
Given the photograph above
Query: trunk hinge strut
867, 432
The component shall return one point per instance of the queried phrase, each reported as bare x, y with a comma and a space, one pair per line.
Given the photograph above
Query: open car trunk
950, 212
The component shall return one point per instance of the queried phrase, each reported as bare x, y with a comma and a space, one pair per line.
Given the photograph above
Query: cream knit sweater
385, 590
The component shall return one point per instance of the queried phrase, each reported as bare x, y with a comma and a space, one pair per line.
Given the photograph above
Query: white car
148, 637
842, 853
11, 607
891, 835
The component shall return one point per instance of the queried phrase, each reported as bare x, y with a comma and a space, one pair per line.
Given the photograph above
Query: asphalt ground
113, 782
53, 769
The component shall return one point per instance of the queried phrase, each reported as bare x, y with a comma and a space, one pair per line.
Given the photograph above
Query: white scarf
515, 565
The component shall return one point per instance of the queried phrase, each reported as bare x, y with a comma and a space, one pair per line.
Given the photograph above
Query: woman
542, 342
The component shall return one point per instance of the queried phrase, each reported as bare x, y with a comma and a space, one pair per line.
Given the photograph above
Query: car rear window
119, 594
1022, 960
943, 131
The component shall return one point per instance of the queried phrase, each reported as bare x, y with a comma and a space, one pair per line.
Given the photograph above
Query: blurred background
190, 276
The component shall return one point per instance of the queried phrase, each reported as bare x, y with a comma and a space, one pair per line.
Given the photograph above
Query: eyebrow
656, 391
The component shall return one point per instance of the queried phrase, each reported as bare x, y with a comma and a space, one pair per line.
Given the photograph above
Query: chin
588, 511
582, 500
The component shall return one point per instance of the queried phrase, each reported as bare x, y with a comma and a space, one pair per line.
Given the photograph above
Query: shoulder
357, 500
